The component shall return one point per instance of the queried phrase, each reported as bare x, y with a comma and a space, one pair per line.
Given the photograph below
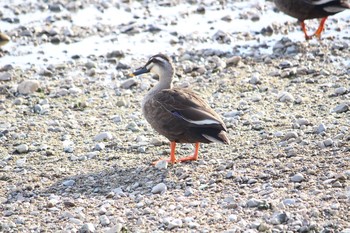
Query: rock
28, 87
90, 65
340, 91
233, 61
321, 128
21, 162
87, 228
104, 136
290, 135
23, 148
285, 97
328, 142
175, 224
116, 53
188, 191
159, 188
255, 79
341, 108
279, 218
162, 164
99, 146
128, 83
233, 218
115, 229
104, 220
254, 202
297, 177
289, 201
68, 146
5, 76
68, 182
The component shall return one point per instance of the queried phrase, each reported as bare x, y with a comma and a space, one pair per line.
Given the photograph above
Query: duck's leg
320, 28
303, 27
191, 157
172, 158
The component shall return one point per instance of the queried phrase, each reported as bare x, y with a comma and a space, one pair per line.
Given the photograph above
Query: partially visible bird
312, 9
178, 113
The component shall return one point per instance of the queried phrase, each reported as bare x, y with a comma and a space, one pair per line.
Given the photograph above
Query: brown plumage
179, 114
312, 9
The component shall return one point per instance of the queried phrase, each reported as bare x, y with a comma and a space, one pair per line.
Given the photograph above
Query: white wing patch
202, 122
320, 2
212, 139
334, 9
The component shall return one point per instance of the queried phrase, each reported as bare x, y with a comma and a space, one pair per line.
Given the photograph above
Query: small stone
162, 164
174, 224
28, 87
68, 182
340, 91
87, 228
328, 142
341, 108
279, 218
297, 178
115, 229
289, 201
127, 84
104, 220
285, 64
116, 53
321, 128
285, 97
188, 191
159, 188
253, 203
233, 218
5, 76
99, 146
68, 146
21, 162
255, 79
233, 61
103, 136
38, 108
23, 148
290, 135
90, 65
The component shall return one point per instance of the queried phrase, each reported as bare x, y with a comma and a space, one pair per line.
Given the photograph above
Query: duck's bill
141, 70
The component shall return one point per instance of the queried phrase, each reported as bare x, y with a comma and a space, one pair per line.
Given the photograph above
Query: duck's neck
165, 82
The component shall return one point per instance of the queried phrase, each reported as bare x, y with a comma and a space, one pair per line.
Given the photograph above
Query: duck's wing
332, 6
188, 106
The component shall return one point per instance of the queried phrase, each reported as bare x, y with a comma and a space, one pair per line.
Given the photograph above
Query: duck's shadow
108, 182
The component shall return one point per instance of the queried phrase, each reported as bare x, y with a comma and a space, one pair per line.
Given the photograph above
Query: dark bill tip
141, 70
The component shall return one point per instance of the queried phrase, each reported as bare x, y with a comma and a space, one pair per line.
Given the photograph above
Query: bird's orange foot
188, 158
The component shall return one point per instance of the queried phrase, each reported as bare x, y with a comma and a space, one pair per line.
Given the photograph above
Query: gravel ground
75, 151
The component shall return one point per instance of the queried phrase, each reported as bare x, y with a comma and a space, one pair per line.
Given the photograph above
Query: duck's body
312, 9
178, 113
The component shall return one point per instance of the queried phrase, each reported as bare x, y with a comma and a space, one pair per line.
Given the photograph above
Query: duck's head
159, 64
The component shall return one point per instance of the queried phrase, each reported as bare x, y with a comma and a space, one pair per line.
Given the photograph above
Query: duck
312, 9
179, 114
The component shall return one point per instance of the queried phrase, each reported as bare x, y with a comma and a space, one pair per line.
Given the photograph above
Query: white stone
159, 188
23, 148
28, 87
297, 177
103, 136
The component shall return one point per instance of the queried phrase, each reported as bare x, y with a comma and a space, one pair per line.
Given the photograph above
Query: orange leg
303, 27
172, 158
191, 157
320, 28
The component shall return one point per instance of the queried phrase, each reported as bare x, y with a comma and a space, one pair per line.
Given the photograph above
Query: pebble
68, 182
159, 188
115, 229
279, 218
341, 108
28, 87
254, 202
297, 177
104, 136
233, 61
127, 84
188, 191
328, 142
255, 79
104, 220
285, 97
321, 128
23, 148
87, 228
340, 91
289, 201
162, 164
5, 76
99, 146
290, 135
175, 224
